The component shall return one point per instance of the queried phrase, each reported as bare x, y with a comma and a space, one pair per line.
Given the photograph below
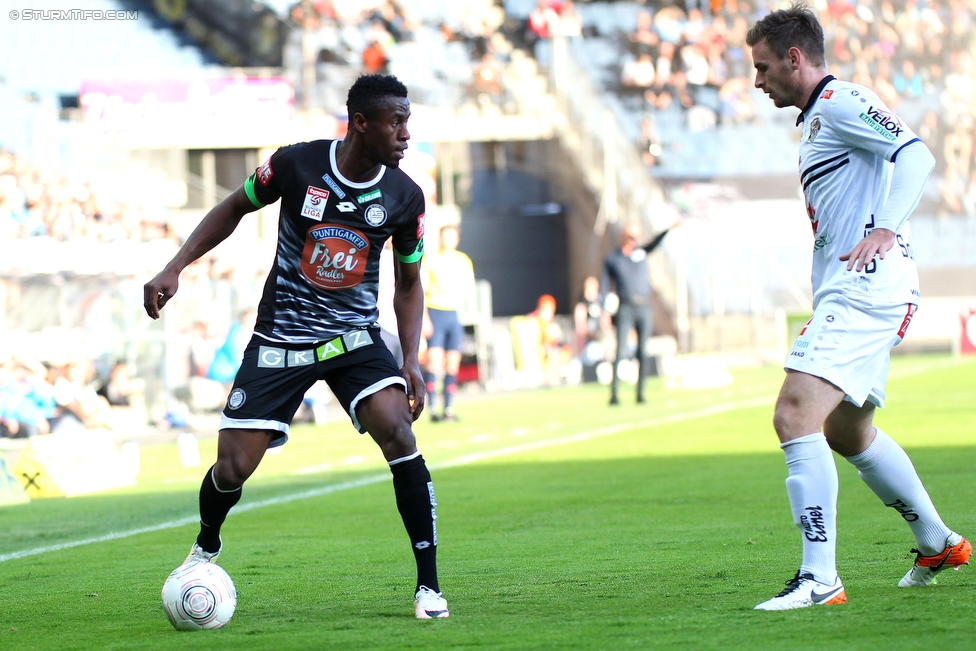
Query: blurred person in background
26, 399
340, 201
117, 388
227, 357
863, 171
592, 324
78, 405
554, 353
448, 277
626, 275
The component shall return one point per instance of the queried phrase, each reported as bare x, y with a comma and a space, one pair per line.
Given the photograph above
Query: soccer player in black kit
341, 200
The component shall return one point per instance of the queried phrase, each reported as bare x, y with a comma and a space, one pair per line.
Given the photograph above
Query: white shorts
848, 343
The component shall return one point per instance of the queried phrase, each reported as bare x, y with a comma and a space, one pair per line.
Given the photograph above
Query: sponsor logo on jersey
814, 127
886, 124
329, 181
420, 226
346, 206
820, 243
802, 344
265, 172
375, 215
814, 222
315, 200
805, 326
797, 353
369, 196
236, 398
334, 257
827, 94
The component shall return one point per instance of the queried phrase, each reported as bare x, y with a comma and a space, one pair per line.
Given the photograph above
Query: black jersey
330, 234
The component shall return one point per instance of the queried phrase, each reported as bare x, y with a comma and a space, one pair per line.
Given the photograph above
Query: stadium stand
691, 122
699, 117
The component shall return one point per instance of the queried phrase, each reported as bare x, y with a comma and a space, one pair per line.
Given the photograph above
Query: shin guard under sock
888, 471
215, 504
812, 489
415, 501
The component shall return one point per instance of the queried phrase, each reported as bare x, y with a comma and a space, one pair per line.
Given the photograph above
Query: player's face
386, 134
775, 76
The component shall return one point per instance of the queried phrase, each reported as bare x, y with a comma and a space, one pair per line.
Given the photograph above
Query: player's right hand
416, 387
876, 243
157, 292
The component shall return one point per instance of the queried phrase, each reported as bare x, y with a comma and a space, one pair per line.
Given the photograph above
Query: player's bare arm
408, 303
215, 227
877, 243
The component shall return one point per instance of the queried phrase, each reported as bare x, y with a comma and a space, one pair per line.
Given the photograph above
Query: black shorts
274, 377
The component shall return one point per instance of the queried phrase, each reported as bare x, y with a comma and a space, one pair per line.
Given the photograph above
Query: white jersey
849, 141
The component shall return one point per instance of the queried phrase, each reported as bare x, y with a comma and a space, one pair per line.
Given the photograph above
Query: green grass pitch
563, 524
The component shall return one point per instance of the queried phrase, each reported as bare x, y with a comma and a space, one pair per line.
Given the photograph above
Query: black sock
214, 506
415, 501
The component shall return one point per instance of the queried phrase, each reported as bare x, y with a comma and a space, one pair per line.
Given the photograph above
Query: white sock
812, 489
888, 471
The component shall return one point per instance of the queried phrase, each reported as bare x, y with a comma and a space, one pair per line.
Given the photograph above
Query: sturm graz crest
814, 130
375, 215
236, 399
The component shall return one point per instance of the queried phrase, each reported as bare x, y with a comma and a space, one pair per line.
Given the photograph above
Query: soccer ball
199, 596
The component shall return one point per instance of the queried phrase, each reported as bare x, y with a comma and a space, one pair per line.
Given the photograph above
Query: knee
230, 472
785, 420
396, 439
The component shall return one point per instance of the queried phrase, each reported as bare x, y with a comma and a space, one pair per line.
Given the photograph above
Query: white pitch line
466, 459
375, 479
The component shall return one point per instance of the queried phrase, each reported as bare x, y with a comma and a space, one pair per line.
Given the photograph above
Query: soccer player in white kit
862, 171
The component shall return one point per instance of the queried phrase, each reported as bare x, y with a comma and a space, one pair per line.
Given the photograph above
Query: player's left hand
876, 243
416, 388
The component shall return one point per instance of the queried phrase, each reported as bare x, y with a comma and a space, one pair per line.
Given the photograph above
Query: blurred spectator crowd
63, 396
687, 67
436, 49
36, 202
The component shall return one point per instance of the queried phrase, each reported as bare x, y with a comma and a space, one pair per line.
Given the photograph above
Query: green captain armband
249, 191
413, 257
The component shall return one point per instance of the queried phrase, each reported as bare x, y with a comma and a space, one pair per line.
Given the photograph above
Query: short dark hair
367, 94
796, 26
